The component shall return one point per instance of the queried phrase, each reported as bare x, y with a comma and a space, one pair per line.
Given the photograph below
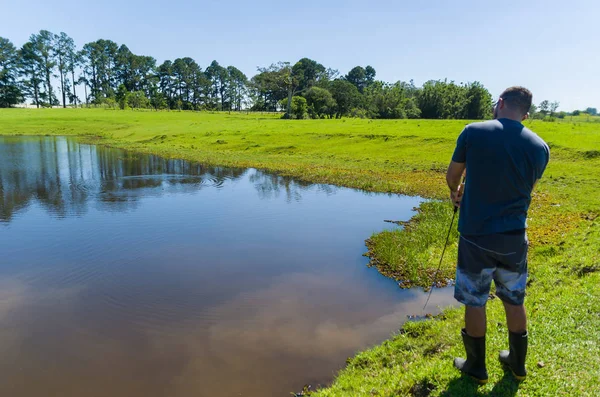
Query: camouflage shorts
500, 257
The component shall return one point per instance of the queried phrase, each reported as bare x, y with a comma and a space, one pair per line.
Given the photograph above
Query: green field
409, 157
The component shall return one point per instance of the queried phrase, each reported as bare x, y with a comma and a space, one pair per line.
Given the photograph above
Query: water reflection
132, 275
64, 176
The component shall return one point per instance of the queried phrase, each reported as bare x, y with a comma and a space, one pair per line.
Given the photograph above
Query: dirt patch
412, 332
378, 136
587, 270
423, 388
591, 154
435, 349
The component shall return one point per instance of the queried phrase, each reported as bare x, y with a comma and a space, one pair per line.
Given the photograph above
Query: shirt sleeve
543, 162
460, 153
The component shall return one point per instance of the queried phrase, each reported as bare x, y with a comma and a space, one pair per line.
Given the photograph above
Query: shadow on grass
466, 387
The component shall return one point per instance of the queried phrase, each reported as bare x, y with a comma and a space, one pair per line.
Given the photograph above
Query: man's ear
525, 117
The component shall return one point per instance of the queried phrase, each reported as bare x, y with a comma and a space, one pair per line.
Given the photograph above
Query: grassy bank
410, 157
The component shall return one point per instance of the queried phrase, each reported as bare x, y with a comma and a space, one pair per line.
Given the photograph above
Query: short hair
518, 98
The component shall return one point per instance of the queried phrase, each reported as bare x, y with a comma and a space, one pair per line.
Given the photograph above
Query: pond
125, 274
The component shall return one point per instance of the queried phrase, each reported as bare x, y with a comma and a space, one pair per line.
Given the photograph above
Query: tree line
111, 75
547, 110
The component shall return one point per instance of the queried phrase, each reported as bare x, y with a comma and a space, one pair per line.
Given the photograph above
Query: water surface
131, 275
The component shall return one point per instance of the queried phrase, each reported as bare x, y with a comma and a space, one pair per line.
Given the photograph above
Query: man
503, 161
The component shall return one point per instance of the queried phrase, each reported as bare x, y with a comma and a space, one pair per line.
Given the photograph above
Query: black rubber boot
515, 357
474, 365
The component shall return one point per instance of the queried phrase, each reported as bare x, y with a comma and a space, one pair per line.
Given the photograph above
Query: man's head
514, 103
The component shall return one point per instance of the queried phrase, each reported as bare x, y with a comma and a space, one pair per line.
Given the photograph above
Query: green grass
563, 301
410, 157
581, 118
411, 256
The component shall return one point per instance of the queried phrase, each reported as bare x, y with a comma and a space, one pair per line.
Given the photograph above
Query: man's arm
453, 178
454, 174
457, 167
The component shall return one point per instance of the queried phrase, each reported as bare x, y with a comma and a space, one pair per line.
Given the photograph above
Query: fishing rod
442, 258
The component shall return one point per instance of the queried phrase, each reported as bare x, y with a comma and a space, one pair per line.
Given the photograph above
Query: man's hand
456, 196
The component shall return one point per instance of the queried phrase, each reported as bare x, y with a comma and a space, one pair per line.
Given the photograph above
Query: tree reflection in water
64, 177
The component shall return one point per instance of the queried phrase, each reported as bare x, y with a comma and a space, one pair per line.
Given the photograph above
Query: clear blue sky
551, 47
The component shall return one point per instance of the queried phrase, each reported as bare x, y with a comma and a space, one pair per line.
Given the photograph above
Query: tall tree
113, 73
544, 107
73, 62
99, 66
346, 96
124, 68
144, 73
357, 77
219, 80
165, 82
181, 79
361, 77
440, 99
90, 55
238, 83
185, 77
291, 80
64, 50
303, 75
157, 98
200, 86
269, 87
370, 74
10, 92
553, 107
391, 101
136, 72
43, 43
29, 68
286, 79
479, 100
307, 73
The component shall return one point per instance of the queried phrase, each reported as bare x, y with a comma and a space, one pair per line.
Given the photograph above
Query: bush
358, 113
537, 116
136, 100
299, 107
110, 103
320, 103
